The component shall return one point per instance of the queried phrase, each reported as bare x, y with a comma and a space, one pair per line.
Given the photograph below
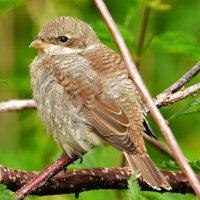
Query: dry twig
165, 99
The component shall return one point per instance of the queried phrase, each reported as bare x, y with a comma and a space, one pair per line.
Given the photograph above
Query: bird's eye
63, 39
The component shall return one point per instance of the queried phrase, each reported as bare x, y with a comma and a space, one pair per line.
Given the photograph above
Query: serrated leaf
191, 108
7, 4
177, 42
170, 166
173, 166
6, 194
134, 188
195, 166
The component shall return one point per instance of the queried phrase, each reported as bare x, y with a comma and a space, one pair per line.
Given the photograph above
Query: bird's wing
106, 116
110, 122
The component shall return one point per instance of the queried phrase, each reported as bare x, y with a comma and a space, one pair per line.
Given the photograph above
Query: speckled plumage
83, 93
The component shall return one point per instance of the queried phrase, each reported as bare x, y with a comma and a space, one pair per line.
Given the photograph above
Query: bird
86, 98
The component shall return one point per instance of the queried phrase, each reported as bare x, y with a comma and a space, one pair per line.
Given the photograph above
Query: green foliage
5, 82
131, 11
104, 158
134, 188
105, 36
173, 166
179, 43
192, 108
6, 194
170, 165
7, 4
168, 196
195, 166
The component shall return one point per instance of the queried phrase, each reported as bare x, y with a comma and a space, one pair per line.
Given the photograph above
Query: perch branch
38, 180
167, 133
77, 181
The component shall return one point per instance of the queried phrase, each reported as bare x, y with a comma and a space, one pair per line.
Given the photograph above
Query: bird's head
65, 34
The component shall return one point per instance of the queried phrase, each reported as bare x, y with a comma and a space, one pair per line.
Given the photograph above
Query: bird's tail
148, 170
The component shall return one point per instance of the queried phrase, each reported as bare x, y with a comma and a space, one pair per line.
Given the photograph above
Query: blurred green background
172, 46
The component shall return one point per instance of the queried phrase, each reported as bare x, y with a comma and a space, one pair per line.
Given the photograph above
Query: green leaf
195, 166
179, 43
168, 196
170, 166
191, 108
6, 194
134, 188
6, 4
105, 156
173, 166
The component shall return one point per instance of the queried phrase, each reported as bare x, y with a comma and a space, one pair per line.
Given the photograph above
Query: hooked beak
39, 44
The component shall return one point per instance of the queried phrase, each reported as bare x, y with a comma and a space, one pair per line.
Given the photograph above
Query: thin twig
77, 181
178, 155
166, 99
184, 79
42, 177
142, 35
159, 145
15, 105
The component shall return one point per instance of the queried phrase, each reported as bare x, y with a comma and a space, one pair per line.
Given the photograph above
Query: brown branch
166, 131
170, 95
77, 181
166, 99
184, 79
15, 105
38, 180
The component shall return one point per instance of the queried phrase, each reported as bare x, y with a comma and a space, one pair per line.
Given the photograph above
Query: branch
170, 95
15, 105
184, 79
166, 131
38, 180
77, 181
166, 99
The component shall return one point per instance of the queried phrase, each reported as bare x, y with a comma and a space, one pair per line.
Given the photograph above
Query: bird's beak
39, 44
